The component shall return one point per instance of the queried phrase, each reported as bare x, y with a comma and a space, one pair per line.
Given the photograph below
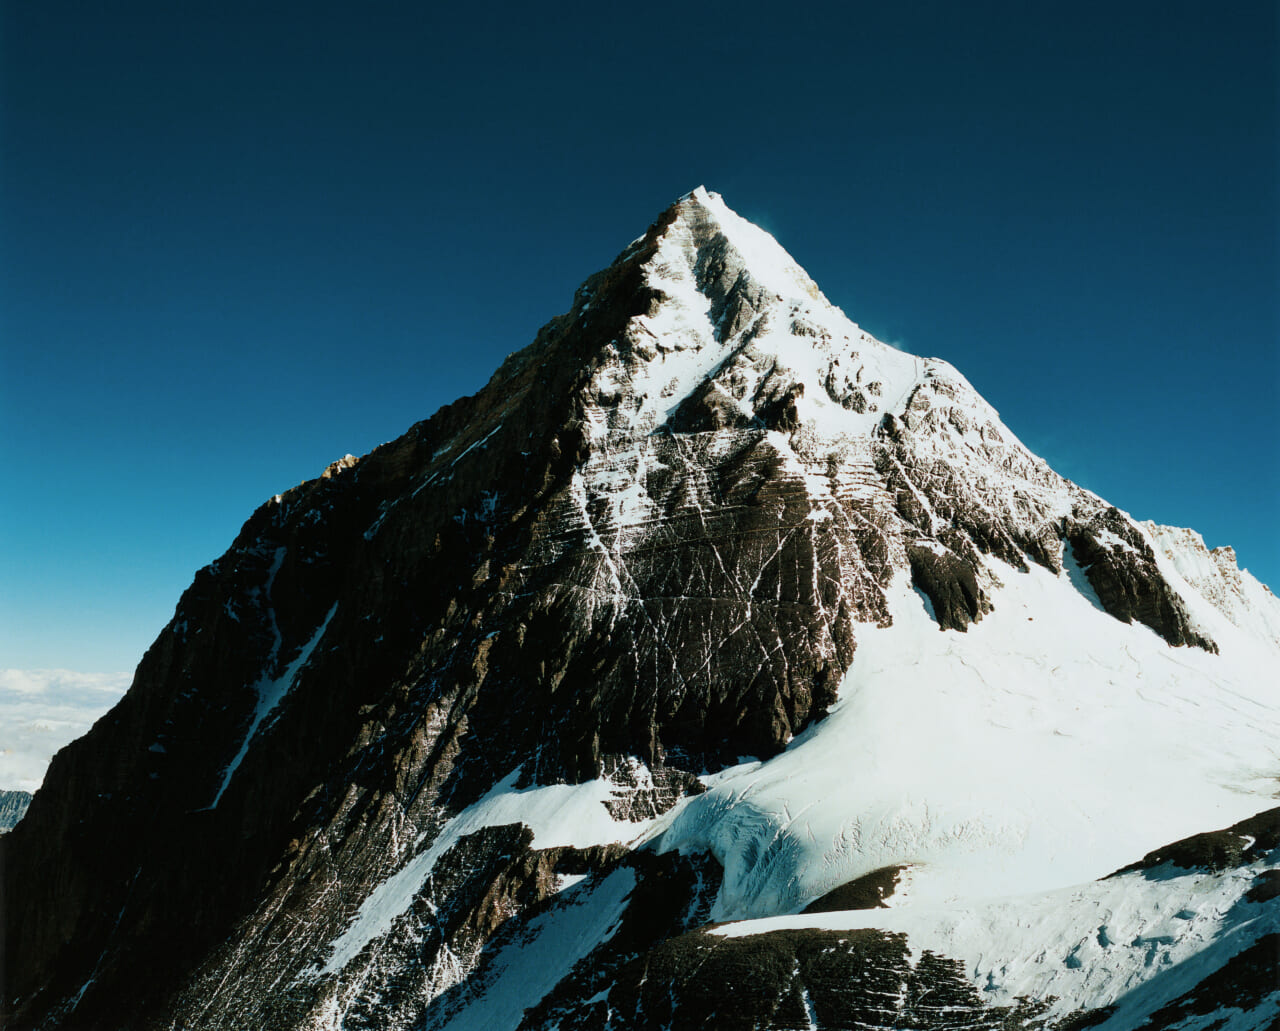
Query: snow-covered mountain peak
708, 607
734, 323
706, 218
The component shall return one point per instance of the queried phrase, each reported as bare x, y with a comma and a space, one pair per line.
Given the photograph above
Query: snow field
1048, 746
1144, 938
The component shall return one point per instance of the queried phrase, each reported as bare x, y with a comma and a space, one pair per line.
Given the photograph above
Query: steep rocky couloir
650, 539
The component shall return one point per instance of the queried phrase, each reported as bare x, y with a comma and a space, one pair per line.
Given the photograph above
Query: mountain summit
716, 665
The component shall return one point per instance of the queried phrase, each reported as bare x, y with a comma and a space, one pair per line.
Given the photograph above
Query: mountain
716, 665
13, 806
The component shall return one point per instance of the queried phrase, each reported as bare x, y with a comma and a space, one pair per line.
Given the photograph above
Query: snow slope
1049, 745
550, 945
1008, 769
1136, 941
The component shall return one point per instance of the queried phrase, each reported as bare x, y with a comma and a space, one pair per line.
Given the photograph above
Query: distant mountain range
13, 807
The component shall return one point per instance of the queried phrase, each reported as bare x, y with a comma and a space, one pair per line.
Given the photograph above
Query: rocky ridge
1216, 577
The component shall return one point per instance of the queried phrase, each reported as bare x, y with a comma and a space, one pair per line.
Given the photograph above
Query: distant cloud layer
43, 709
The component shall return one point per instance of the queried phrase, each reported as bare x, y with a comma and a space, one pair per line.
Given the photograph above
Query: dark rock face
866, 892
13, 807
670, 895
735, 607
593, 568
793, 979
951, 584
1122, 569
1237, 845
1265, 887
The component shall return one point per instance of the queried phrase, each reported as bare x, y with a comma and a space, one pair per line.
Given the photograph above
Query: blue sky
238, 241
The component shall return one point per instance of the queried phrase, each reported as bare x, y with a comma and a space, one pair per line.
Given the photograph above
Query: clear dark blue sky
240, 240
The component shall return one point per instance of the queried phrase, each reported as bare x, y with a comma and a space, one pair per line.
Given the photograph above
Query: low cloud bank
43, 709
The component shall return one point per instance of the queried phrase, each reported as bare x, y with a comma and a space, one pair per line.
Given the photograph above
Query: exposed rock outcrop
793, 979
1122, 568
1233, 846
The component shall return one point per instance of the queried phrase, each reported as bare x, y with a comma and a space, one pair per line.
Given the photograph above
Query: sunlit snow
1051, 744
1088, 945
